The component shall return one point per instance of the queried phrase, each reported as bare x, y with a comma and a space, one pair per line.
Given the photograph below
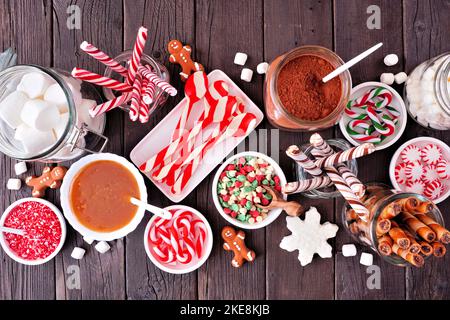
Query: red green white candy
434, 190
400, 173
414, 171
411, 154
431, 154
443, 169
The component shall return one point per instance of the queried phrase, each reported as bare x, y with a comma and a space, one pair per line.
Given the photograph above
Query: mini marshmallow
34, 84
55, 95
102, 247
83, 111
20, 168
391, 60
78, 253
11, 107
33, 140
400, 77
247, 74
40, 115
240, 58
88, 240
387, 78
262, 67
366, 259
61, 125
348, 250
14, 184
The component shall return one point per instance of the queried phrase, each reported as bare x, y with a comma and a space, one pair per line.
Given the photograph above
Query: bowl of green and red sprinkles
239, 185
44, 227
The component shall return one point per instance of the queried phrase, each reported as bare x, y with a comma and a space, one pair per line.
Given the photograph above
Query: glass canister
159, 69
380, 198
282, 117
427, 93
24, 89
328, 192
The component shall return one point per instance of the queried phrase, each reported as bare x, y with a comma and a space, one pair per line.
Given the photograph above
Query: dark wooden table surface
416, 30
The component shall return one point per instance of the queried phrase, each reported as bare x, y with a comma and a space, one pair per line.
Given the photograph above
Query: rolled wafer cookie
385, 244
425, 248
307, 185
399, 236
424, 207
414, 259
390, 211
439, 249
443, 235
415, 246
383, 226
417, 226
409, 204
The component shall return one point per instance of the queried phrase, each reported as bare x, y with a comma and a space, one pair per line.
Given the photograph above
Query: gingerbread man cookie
182, 55
50, 178
235, 242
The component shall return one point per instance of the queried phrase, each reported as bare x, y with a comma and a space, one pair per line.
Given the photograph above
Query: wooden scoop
292, 208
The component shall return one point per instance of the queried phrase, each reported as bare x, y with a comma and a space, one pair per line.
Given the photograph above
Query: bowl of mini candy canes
44, 231
422, 165
238, 187
181, 244
375, 113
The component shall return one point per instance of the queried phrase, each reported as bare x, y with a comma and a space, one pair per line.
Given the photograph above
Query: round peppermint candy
415, 187
411, 153
434, 190
400, 174
414, 171
431, 154
430, 174
443, 169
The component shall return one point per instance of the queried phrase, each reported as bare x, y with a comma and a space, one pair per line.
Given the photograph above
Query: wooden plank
352, 37
26, 27
428, 37
165, 20
102, 275
293, 24
222, 29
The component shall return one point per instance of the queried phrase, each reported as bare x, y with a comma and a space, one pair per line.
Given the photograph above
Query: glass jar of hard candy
427, 93
403, 228
44, 115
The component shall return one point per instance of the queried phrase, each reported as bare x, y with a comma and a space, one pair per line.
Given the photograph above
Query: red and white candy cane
379, 92
307, 185
100, 80
346, 155
358, 130
103, 58
384, 124
138, 50
149, 93
219, 89
164, 85
135, 105
302, 159
144, 108
109, 105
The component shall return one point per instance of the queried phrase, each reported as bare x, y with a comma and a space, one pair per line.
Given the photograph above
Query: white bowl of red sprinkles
422, 165
45, 231
179, 245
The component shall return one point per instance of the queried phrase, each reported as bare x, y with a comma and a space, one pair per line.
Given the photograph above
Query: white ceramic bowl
420, 142
67, 207
179, 268
12, 254
397, 102
271, 215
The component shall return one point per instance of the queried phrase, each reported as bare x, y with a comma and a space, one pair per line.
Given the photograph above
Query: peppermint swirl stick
354, 183
302, 159
343, 156
307, 185
321, 148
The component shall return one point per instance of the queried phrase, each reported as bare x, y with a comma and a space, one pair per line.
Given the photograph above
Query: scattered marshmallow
262, 67
40, 115
400, 77
348, 250
78, 253
247, 74
61, 125
11, 107
33, 140
391, 59
240, 58
102, 247
366, 259
55, 95
34, 84
88, 240
387, 78
14, 184
20, 168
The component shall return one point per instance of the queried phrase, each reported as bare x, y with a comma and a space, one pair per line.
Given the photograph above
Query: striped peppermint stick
135, 105
353, 182
164, 85
109, 105
302, 159
144, 108
307, 185
346, 155
138, 49
149, 91
100, 80
103, 58
321, 148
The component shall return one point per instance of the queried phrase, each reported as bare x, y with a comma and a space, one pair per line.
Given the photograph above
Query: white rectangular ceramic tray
159, 137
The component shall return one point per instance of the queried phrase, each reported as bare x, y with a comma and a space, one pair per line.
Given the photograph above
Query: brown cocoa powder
302, 92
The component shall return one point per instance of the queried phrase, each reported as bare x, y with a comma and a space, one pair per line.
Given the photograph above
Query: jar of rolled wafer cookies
403, 228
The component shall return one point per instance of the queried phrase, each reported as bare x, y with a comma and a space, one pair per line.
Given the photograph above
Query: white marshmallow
348, 250
240, 58
78, 253
11, 107
55, 95
400, 77
76, 94
34, 141
40, 115
13, 184
88, 240
428, 75
262, 67
20, 168
83, 111
34, 84
366, 259
391, 59
247, 74
61, 125
102, 247
387, 78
